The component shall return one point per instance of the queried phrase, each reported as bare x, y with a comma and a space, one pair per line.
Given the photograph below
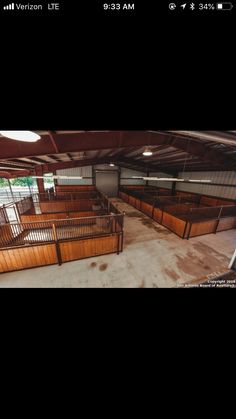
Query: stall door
107, 183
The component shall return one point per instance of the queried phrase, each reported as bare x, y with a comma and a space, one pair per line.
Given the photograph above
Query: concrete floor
153, 257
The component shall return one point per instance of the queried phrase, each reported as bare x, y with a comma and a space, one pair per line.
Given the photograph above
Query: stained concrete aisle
153, 257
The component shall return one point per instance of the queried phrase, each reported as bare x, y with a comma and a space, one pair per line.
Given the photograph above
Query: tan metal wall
228, 177
126, 177
167, 185
76, 171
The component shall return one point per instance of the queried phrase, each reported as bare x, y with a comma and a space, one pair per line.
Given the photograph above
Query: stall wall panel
29, 257
227, 223
81, 249
65, 206
74, 188
157, 215
207, 201
146, 208
203, 227
6, 233
174, 224
58, 216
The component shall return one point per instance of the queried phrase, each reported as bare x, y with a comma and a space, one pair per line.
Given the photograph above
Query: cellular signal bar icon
10, 6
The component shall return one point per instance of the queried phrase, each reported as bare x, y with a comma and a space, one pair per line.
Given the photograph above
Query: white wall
128, 173
217, 177
167, 185
76, 171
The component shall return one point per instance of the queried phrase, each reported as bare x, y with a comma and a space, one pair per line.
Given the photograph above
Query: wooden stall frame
117, 231
130, 199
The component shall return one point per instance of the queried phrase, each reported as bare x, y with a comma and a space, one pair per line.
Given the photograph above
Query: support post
119, 180
173, 192
11, 191
57, 244
232, 264
93, 176
40, 182
218, 220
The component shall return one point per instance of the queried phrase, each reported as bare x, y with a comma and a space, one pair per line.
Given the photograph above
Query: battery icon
224, 6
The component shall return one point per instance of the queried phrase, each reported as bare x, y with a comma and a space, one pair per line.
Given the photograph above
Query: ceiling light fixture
200, 181
163, 179
147, 152
27, 136
57, 177
171, 179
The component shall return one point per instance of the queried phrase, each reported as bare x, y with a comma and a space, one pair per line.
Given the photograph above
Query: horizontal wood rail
20, 234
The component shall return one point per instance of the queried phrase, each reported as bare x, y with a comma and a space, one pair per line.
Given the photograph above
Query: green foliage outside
3, 183
24, 181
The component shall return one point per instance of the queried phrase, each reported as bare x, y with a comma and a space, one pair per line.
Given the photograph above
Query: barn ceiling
173, 151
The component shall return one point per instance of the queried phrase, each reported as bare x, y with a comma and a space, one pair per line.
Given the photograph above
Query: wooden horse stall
60, 216
187, 215
227, 219
68, 206
210, 220
25, 206
124, 196
3, 215
34, 244
71, 199
174, 223
60, 189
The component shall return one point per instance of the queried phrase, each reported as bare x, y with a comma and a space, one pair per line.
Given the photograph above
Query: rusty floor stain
93, 265
103, 267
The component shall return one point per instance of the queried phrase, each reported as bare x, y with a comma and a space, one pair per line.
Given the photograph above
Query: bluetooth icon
192, 6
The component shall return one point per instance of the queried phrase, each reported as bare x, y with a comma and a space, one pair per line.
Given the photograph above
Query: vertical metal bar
11, 191
185, 229
218, 220
118, 244
189, 231
57, 245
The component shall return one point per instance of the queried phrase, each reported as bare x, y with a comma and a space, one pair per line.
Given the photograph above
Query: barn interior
124, 209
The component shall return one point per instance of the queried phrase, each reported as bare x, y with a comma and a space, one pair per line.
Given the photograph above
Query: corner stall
187, 215
47, 240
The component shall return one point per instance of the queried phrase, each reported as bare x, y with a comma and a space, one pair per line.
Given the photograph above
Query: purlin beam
64, 143
110, 140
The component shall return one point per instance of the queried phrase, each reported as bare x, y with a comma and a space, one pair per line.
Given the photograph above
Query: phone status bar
201, 7
99, 8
